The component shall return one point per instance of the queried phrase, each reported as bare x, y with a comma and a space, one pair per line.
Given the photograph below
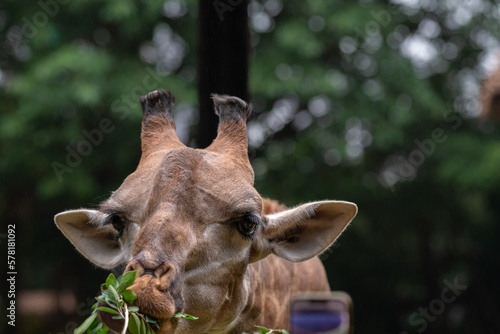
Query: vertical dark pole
222, 58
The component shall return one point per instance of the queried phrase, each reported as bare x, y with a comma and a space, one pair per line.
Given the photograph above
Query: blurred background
391, 105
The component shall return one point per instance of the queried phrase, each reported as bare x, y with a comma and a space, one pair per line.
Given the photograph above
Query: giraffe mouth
166, 326
157, 300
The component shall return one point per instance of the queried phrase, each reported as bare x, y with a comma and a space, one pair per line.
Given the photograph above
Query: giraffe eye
118, 224
247, 225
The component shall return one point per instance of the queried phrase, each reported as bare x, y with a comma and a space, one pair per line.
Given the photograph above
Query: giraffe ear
303, 232
96, 242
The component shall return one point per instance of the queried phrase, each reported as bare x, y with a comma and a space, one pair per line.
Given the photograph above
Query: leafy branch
116, 295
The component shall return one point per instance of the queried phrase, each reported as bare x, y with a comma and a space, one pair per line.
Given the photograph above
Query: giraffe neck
272, 283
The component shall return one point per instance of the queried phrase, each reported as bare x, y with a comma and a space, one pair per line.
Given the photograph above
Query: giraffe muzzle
157, 288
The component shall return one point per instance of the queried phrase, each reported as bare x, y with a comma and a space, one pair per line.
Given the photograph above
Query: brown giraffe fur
201, 238
283, 279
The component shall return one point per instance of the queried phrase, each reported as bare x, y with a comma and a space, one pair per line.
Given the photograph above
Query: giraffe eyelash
118, 223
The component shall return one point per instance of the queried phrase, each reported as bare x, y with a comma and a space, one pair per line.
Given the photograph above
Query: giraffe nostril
147, 268
166, 275
136, 265
164, 270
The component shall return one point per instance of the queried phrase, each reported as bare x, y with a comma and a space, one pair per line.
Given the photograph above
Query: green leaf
126, 280
98, 328
96, 324
103, 330
133, 308
113, 295
111, 281
265, 330
134, 324
185, 316
110, 302
129, 296
118, 317
151, 320
109, 310
86, 324
143, 327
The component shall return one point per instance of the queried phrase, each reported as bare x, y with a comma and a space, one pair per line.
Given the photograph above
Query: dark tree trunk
222, 59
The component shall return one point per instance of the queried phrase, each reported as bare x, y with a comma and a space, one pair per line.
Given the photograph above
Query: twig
125, 325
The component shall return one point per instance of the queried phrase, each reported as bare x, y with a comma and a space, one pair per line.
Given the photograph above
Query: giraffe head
190, 222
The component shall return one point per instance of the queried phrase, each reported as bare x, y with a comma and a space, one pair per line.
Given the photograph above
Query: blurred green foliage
347, 96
